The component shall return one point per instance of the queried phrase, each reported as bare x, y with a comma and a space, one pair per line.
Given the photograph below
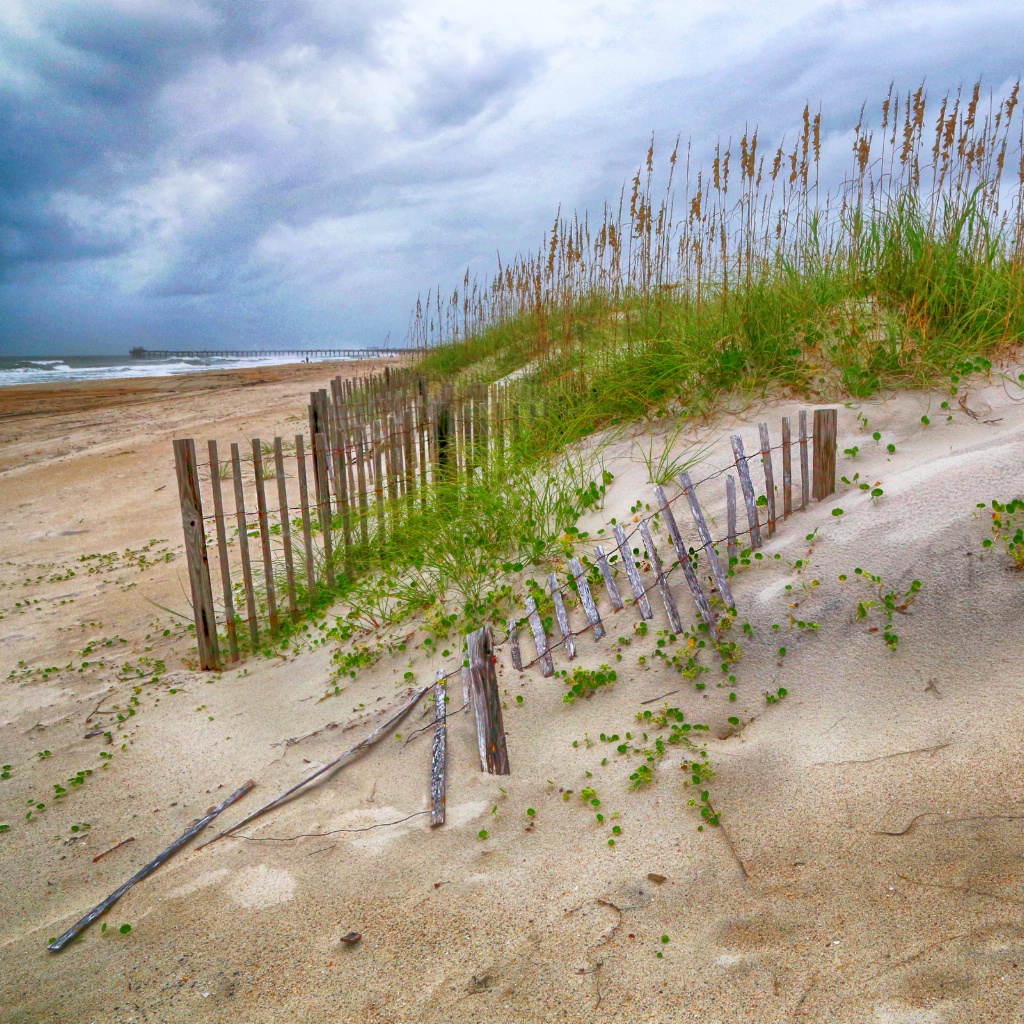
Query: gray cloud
283, 169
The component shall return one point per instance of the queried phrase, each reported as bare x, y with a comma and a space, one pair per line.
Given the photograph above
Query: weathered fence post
439, 755
487, 702
196, 553
825, 424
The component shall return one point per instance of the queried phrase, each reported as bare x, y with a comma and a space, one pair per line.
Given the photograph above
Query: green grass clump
585, 682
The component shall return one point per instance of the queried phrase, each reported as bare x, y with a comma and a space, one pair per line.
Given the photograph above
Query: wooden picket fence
376, 444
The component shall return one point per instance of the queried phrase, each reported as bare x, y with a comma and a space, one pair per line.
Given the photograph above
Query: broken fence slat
79, 926
683, 557
705, 537
748, 490
769, 475
547, 666
675, 623
609, 579
562, 616
439, 755
626, 554
589, 604
513, 639
487, 702
330, 767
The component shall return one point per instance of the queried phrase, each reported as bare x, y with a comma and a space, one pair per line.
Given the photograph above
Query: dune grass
751, 277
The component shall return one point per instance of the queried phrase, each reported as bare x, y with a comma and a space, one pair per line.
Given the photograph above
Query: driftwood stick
439, 757
562, 616
633, 573
547, 666
328, 768
609, 579
58, 944
589, 605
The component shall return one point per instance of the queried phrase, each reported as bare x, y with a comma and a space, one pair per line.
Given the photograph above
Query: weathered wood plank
547, 666
359, 449
377, 440
748, 491
286, 528
513, 639
264, 523
626, 554
730, 500
825, 422
675, 623
196, 553
439, 753
243, 543
721, 579
579, 574
562, 616
324, 503
609, 578
487, 701
307, 532
683, 557
222, 552
805, 490
787, 468
769, 475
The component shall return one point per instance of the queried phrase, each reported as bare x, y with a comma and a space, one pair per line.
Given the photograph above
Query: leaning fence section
270, 526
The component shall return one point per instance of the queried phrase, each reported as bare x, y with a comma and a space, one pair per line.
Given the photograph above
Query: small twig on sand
100, 908
662, 697
729, 843
964, 889
124, 842
328, 768
949, 821
885, 757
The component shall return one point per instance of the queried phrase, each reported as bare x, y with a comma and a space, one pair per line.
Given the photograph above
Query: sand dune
875, 810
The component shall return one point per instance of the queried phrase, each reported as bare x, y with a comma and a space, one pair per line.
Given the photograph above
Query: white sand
543, 921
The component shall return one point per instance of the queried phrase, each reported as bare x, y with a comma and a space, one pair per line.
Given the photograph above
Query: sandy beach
868, 867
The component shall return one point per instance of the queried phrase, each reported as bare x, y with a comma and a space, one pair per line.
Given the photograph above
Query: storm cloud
293, 172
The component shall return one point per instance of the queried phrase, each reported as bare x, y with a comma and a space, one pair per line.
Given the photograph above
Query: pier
243, 353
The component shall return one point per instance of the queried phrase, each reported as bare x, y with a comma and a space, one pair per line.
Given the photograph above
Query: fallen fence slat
76, 929
328, 768
626, 554
439, 755
609, 579
547, 666
705, 537
683, 557
222, 551
748, 491
586, 597
562, 616
675, 623
487, 702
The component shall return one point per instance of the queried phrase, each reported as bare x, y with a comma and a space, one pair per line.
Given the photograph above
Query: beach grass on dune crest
750, 276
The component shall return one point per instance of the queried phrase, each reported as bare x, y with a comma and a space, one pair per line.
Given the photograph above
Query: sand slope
877, 809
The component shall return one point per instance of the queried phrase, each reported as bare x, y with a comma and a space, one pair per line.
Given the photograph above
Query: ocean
57, 369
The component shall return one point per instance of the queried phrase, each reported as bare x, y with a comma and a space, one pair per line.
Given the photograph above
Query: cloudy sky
225, 173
